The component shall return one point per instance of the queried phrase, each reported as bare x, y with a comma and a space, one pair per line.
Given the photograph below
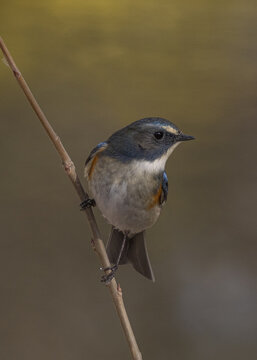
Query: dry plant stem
69, 167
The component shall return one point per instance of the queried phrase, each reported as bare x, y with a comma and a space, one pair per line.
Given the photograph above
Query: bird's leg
87, 204
122, 248
108, 277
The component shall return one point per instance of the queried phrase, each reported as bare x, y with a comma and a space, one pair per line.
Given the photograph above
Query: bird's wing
164, 193
90, 162
100, 147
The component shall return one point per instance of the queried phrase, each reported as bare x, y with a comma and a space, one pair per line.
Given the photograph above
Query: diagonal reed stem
69, 167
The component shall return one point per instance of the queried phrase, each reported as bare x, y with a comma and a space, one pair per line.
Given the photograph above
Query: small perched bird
127, 180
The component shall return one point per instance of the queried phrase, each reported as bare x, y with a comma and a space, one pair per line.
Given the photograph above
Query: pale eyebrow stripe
170, 129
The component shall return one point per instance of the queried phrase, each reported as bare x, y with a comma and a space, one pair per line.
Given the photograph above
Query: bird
128, 183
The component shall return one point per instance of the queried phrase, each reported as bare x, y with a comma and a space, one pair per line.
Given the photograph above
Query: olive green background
96, 66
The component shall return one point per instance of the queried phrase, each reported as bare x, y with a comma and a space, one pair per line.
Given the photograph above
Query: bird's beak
183, 137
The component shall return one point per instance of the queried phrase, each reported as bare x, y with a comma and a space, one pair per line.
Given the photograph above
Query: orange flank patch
94, 161
156, 198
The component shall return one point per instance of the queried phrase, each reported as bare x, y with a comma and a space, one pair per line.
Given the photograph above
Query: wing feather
165, 188
92, 157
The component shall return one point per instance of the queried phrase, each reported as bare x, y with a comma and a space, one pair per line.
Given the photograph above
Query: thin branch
69, 167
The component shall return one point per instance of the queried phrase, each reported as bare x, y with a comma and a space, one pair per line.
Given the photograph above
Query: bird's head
147, 139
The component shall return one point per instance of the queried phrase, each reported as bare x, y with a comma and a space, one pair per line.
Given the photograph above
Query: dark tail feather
135, 252
138, 256
114, 245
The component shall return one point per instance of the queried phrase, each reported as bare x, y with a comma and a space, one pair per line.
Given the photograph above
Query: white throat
157, 165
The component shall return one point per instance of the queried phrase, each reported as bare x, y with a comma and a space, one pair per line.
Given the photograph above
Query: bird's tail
134, 251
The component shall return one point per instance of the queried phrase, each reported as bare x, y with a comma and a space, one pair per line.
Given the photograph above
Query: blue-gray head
146, 139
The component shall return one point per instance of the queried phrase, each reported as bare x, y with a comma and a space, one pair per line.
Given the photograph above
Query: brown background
95, 66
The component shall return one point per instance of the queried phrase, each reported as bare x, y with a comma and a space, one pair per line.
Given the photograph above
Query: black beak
183, 137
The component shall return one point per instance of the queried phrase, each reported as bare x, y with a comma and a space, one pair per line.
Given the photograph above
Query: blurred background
96, 66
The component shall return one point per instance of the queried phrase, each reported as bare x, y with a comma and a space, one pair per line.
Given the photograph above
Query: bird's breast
126, 194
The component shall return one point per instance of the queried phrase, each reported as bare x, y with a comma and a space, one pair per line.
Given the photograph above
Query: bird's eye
158, 135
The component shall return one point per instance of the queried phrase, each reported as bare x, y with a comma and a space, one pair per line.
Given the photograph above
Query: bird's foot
107, 278
87, 204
